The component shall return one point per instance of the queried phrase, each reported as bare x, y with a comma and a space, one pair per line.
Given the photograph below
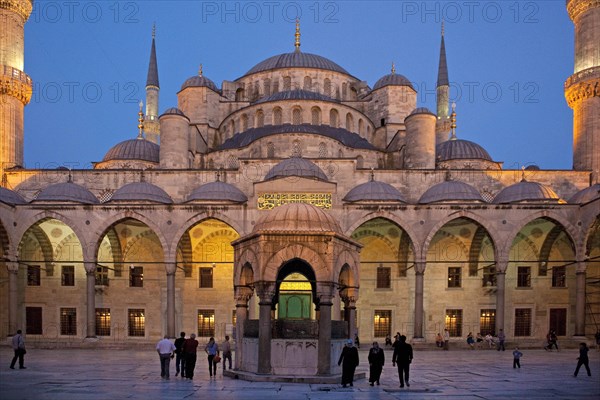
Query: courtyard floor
75, 374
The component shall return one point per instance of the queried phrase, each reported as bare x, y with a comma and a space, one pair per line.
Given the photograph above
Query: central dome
297, 217
296, 59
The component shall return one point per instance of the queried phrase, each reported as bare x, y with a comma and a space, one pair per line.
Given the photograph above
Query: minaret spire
141, 121
151, 126
297, 36
443, 93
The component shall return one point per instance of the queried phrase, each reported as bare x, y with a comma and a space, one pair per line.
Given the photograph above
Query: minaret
442, 128
15, 85
582, 89
151, 125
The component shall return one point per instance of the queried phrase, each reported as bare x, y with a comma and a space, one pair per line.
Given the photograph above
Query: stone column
171, 269
242, 295
500, 293
580, 299
265, 294
324, 346
13, 269
90, 273
419, 275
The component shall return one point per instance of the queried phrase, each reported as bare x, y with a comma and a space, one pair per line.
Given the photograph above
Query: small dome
141, 191
527, 192
460, 149
296, 59
10, 197
450, 191
296, 94
134, 149
374, 191
218, 191
393, 80
297, 217
421, 110
296, 166
586, 195
173, 111
67, 191
200, 81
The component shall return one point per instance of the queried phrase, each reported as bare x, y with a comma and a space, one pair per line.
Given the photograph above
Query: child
517, 358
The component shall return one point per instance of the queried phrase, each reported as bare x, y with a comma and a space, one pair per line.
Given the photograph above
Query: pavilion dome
586, 195
525, 191
296, 166
134, 149
141, 191
393, 79
450, 191
297, 217
173, 111
218, 191
10, 197
460, 149
374, 191
200, 81
67, 191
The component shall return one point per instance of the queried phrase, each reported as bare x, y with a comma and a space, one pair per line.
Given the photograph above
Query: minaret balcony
15, 83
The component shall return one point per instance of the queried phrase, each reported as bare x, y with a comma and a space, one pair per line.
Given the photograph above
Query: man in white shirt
18, 345
165, 349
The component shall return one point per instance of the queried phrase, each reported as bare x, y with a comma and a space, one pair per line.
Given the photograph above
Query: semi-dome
460, 149
218, 191
393, 79
374, 191
8, 196
296, 166
141, 191
527, 192
134, 149
450, 191
586, 195
297, 217
296, 94
199, 81
296, 59
173, 111
67, 191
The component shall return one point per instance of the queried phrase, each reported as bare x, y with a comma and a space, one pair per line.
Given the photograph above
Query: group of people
185, 353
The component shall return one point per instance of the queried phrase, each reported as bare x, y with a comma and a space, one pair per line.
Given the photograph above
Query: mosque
299, 202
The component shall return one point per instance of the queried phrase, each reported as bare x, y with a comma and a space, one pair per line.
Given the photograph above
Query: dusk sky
507, 64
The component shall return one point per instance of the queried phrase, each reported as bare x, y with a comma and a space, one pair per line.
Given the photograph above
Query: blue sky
507, 64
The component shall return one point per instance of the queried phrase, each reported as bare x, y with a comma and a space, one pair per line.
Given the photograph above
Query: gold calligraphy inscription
268, 201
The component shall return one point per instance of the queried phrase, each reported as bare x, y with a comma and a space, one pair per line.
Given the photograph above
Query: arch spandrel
295, 251
350, 261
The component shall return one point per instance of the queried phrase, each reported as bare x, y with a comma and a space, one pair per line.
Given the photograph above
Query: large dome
393, 80
527, 192
374, 191
134, 149
450, 191
67, 191
460, 149
296, 59
141, 191
296, 166
297, 217
218, 191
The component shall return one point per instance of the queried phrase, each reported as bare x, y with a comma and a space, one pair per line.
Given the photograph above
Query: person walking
179, 355
403, 356
190, 349
446, 339
165, 349
501, 339
517, 358
349, 361
376, 362
18, 345
226, 348
212, 350
583, 359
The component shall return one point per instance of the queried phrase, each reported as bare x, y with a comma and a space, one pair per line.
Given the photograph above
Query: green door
294, 306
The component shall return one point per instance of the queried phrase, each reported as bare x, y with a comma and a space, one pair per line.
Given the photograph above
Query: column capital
265, 291
170, 268
420, 267
90, 267
242, 295
12, 266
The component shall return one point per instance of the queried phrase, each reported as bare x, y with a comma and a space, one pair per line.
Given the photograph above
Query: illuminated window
382, 322
559, 277
206, 277
523, 277
33, 320
454, 277
101, 276
206, 323
454, 322
489, 276
68, 321
558, 321
487, 321
233, 317
136, 322
33, 275
523, 322
67, 276
136, 277
103, 321
384, 277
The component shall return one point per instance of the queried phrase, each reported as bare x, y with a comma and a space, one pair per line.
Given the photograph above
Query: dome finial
141, 121
297, 35
443, 27
523, 174
393, 68
154, 30
218, 175
453, 121
70, 179
200, 70
372, 178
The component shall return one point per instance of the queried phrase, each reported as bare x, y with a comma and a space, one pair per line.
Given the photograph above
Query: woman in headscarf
376, 362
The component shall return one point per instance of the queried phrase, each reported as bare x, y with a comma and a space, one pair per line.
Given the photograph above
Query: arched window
244, 122
296, 150
349, 122
239, 95
316, 116
322, 150
333, 118
344, 90
296, 116
307, 83
275, 86
277, 116
287, 83
259, 119
267, 87
232, 162
270, 150
361, 127
360, 162
327, 87
256, 92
